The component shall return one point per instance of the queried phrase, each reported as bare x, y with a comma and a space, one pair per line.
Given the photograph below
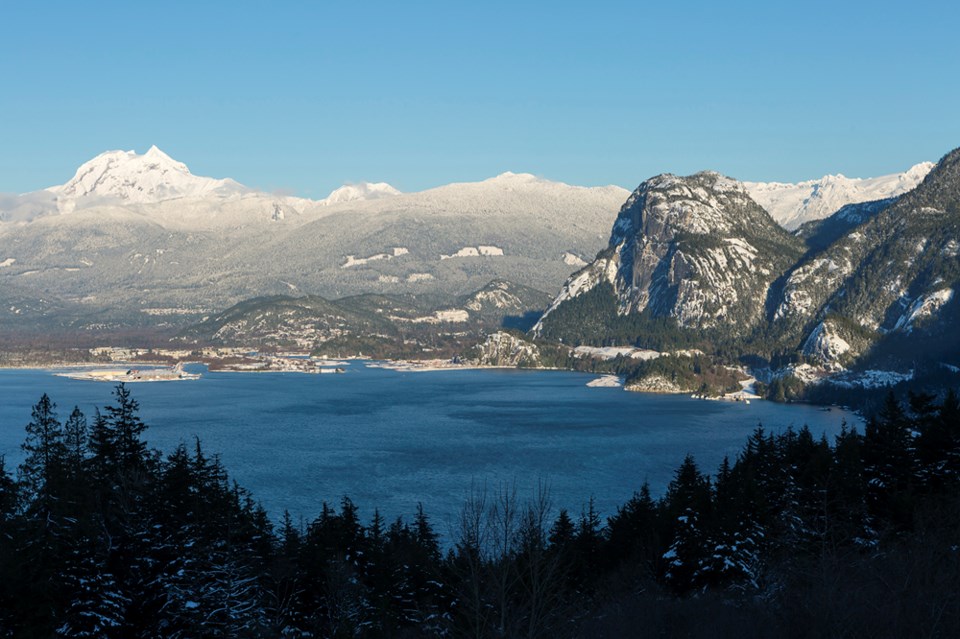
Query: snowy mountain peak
155, 152
511, 176
793, 204
918, 171
360, 191
127, 177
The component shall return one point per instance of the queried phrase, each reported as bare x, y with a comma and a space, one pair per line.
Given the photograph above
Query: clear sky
305, 96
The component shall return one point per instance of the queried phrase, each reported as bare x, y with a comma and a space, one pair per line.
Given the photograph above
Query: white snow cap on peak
510, 176
128, 177
793, 204
360, 191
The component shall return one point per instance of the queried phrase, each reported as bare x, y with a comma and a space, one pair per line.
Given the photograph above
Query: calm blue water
390, 439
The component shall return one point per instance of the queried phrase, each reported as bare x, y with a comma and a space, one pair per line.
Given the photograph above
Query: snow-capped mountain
140, 236
793, 204
126, 177
360, 191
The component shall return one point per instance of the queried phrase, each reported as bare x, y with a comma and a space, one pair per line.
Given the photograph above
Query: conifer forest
798, 536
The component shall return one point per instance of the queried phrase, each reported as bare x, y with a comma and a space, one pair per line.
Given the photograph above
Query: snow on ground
450, 315
466, 251
570, 259
871, 379
360, 261
611, 352
606, 381
475, 251
419, 277
8, 262
825, 345
924, 306
353, 260
748, 390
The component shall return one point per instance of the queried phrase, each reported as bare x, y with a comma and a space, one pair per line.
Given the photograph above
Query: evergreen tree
563, 531
103, 448
97, 606
45, 452
75, 442
131, 451
633, 533
688, 505
888, 464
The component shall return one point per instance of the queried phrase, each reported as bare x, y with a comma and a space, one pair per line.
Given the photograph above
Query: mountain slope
384, 325
893, 274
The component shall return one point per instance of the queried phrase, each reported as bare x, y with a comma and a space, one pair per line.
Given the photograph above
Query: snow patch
612, 352
8, 262
353, 260
871, 379
922, 307
570, 259
419, 277
475, 251
606, 381
454, 315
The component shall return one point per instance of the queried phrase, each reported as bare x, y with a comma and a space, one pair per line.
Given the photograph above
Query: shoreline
745, 395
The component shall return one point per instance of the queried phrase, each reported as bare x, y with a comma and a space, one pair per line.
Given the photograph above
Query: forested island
102, 536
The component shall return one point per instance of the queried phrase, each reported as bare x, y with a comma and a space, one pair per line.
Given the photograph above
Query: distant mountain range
792, 205
137, 240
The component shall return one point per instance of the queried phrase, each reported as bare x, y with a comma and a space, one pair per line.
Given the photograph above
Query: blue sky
303, 97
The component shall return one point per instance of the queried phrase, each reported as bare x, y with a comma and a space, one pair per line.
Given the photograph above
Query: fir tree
45, 452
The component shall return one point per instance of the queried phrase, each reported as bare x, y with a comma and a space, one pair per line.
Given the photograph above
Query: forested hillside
797, 536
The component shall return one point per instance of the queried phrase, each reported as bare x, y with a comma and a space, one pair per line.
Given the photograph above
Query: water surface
391, 439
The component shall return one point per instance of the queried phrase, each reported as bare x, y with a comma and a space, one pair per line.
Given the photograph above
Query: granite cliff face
694, 249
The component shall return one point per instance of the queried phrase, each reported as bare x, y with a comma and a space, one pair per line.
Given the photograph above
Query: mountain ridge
874, 287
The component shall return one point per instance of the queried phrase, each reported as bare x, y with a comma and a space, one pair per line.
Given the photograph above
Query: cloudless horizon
303, 97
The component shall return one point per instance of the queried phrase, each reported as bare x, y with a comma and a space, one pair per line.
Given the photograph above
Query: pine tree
563, 531
633, 533
127, 427
45, 453
688, 504
888, 455
103, 448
